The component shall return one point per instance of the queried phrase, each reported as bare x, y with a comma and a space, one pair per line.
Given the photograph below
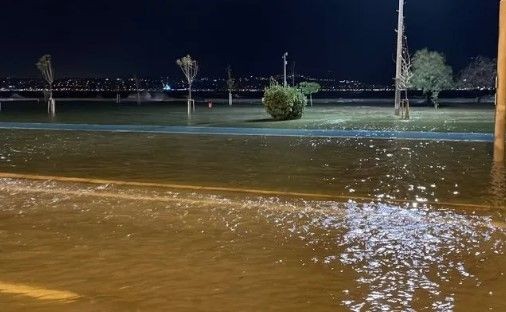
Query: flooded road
187, 251
414, 226
417, 171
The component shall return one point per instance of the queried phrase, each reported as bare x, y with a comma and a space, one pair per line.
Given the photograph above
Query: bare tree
479, 74
46, 68
190, 68
230, 85
404, 83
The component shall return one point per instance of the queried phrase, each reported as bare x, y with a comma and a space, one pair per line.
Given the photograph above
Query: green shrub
284, 103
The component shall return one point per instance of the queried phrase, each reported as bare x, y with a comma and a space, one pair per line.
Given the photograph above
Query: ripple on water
400, 253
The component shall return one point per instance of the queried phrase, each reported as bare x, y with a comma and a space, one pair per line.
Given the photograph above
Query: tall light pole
500, 116
293, 74
285, 62
398, 62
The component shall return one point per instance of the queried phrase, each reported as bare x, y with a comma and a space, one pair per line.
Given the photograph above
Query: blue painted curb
312, 133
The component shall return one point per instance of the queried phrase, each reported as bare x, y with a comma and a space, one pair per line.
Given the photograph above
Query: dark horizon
327, 39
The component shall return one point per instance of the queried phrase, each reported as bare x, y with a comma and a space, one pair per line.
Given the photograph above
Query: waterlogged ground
418, 171
398, 226
138, 249
452, 117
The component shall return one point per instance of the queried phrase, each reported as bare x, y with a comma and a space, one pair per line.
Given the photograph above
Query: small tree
406, 74
404, 83
431, 74
309, 88
230, 85
479, 74
190, 68
284, 103
46, 68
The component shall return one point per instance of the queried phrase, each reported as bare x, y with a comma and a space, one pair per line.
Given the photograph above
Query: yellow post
500, 118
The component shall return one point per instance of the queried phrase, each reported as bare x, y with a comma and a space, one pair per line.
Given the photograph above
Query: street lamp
285, 62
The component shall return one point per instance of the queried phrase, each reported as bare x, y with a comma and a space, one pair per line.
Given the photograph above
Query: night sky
344, 39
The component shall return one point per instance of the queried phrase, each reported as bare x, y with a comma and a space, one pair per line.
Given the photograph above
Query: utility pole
398, 62
137, 88
293, 74
285, 62
118, 96
500, 116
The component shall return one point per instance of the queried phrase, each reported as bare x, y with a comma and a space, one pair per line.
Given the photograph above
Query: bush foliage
310, 88
284, 103
431, 74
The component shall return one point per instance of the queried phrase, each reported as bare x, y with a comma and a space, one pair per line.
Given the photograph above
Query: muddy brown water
152, 248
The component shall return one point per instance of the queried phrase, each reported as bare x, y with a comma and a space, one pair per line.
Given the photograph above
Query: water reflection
405, 259
498, 184
401, 254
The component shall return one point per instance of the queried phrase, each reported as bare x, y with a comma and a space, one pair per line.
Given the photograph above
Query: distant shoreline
176, 95
358, 100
